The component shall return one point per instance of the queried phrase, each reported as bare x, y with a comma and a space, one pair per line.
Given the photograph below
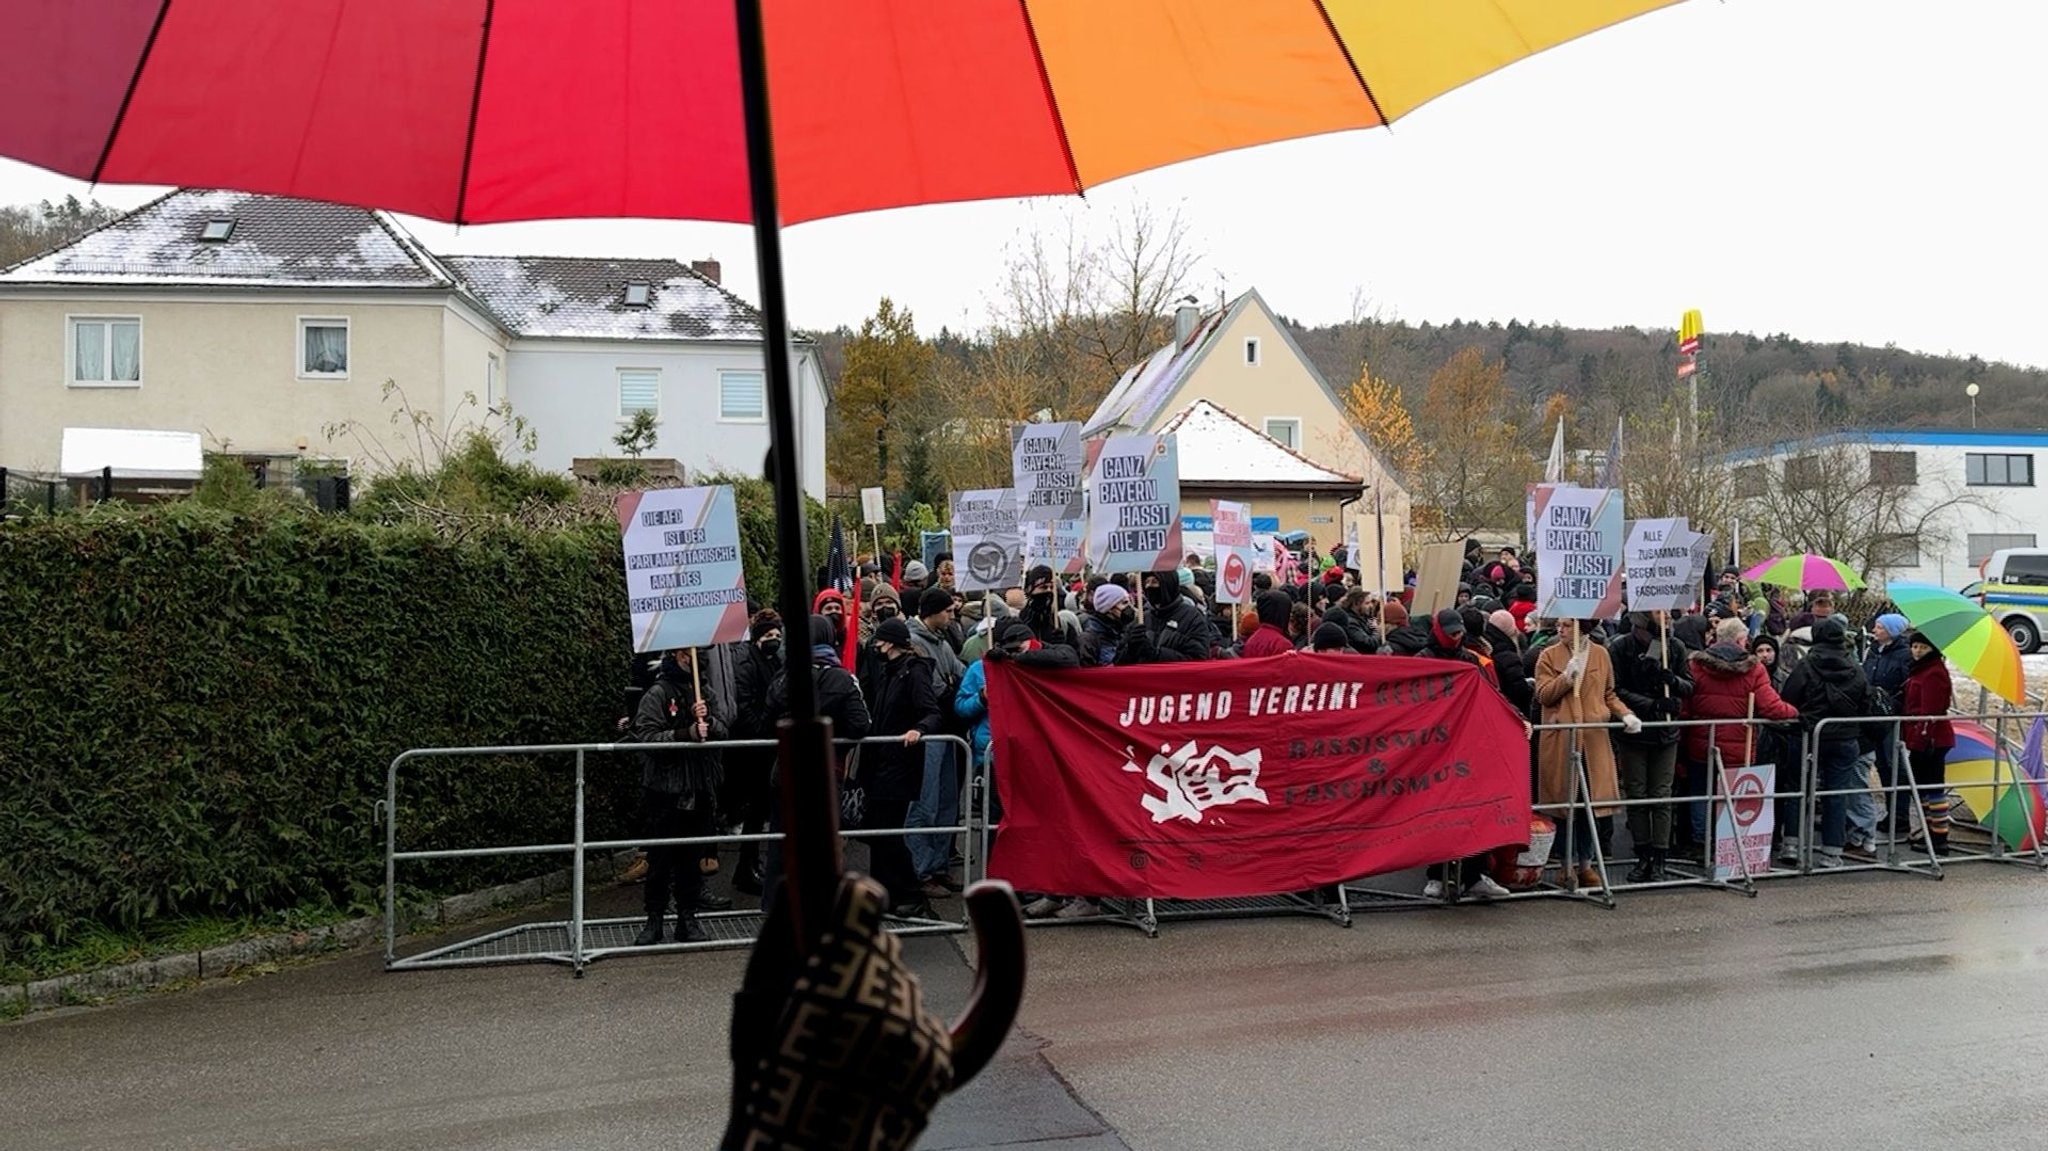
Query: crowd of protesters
920, 649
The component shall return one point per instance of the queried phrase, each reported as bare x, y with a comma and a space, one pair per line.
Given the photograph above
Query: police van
2015, 591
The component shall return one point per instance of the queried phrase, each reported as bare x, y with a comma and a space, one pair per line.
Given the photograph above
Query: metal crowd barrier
579, 940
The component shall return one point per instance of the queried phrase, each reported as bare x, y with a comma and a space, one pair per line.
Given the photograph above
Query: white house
1952, 497
597, 340
261, 322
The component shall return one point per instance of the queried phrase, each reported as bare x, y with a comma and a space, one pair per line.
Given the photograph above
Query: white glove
1575, 668
1631, 725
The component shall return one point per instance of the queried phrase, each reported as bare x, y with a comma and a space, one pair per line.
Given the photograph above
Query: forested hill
1752, 382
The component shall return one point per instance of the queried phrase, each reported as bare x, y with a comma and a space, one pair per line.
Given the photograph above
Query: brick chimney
706, 268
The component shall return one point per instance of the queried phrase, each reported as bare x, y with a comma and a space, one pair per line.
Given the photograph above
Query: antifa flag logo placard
1249, 777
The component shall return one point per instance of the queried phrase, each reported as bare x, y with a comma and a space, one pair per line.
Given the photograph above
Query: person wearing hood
831, 604
1828, 685
1049, 626
1730, 683
1929, 692
1012, 641
1886, 665
1273, 609
1650, 676
1575, 684
1109, 619
1503, 636
747, 792
898, 688
1694, 631
1179, 631
678, 793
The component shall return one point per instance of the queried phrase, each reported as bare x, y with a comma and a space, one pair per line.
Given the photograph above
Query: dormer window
637, 295
217, 231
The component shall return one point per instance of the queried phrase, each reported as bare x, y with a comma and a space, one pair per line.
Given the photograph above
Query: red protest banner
1249, 777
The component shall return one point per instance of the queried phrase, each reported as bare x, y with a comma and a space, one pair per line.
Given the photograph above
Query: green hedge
197, 708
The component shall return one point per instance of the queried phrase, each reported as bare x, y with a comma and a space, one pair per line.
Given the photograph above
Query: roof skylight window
637, 295
217, 231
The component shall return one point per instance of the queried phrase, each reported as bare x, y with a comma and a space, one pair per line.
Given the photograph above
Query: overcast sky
1865, 170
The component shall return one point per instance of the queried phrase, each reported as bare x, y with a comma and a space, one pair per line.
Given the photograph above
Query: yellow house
1243, 361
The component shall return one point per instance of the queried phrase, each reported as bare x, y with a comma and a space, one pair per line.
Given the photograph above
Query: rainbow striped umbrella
2005, 798
1966, 635
1805, 571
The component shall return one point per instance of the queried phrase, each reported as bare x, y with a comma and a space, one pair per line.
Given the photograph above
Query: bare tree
1086, 308
1861, 501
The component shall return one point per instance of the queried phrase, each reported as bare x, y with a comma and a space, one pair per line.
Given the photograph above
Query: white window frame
758, 373
71, 323
299, 346
1254, 355
494, 381
1266, 426
624, 415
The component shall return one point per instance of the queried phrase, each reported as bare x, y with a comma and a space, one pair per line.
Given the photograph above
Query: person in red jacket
1727, 683
1929, 691
1273, 608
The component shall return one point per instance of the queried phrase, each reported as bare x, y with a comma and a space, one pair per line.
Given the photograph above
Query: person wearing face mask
1042, 610
898, 688
1179, 631
747, 793
1109, 619
831, 604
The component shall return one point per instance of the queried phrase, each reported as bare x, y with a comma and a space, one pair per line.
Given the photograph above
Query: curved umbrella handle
998, 978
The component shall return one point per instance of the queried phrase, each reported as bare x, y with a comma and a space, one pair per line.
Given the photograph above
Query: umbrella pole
809, 791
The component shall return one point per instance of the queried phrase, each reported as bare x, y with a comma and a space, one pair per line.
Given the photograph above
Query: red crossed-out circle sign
1746, 798
1237, 576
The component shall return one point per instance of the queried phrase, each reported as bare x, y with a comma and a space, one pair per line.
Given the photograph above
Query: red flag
896, 571
851, 655
1250, 777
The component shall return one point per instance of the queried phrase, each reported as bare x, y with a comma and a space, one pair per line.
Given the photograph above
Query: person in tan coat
1575, 684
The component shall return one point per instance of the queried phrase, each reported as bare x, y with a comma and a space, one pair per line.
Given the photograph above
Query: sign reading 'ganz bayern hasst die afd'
1249, 777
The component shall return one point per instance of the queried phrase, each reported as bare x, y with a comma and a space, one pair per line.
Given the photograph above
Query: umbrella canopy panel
490, 110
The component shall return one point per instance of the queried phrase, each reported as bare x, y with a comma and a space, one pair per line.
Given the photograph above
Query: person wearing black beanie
1330, 638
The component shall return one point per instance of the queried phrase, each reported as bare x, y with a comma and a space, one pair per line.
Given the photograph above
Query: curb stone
228, 958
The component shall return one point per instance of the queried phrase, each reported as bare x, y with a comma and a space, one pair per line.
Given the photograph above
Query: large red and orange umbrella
476, 111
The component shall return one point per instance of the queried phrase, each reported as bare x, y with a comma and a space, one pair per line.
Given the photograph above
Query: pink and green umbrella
1966, 634
1805, 571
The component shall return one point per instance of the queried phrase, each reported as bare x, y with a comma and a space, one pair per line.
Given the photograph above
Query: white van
2015, 590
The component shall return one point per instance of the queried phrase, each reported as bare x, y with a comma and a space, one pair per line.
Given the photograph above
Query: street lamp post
1971, 392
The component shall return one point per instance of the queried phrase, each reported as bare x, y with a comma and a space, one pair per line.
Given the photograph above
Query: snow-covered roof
133, 453
568, 297
270, 241
1145, 388
1217, 448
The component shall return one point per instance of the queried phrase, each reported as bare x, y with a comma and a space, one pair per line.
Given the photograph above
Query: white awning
133, 453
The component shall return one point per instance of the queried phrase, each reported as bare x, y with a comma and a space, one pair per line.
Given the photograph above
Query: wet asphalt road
1861, 1012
